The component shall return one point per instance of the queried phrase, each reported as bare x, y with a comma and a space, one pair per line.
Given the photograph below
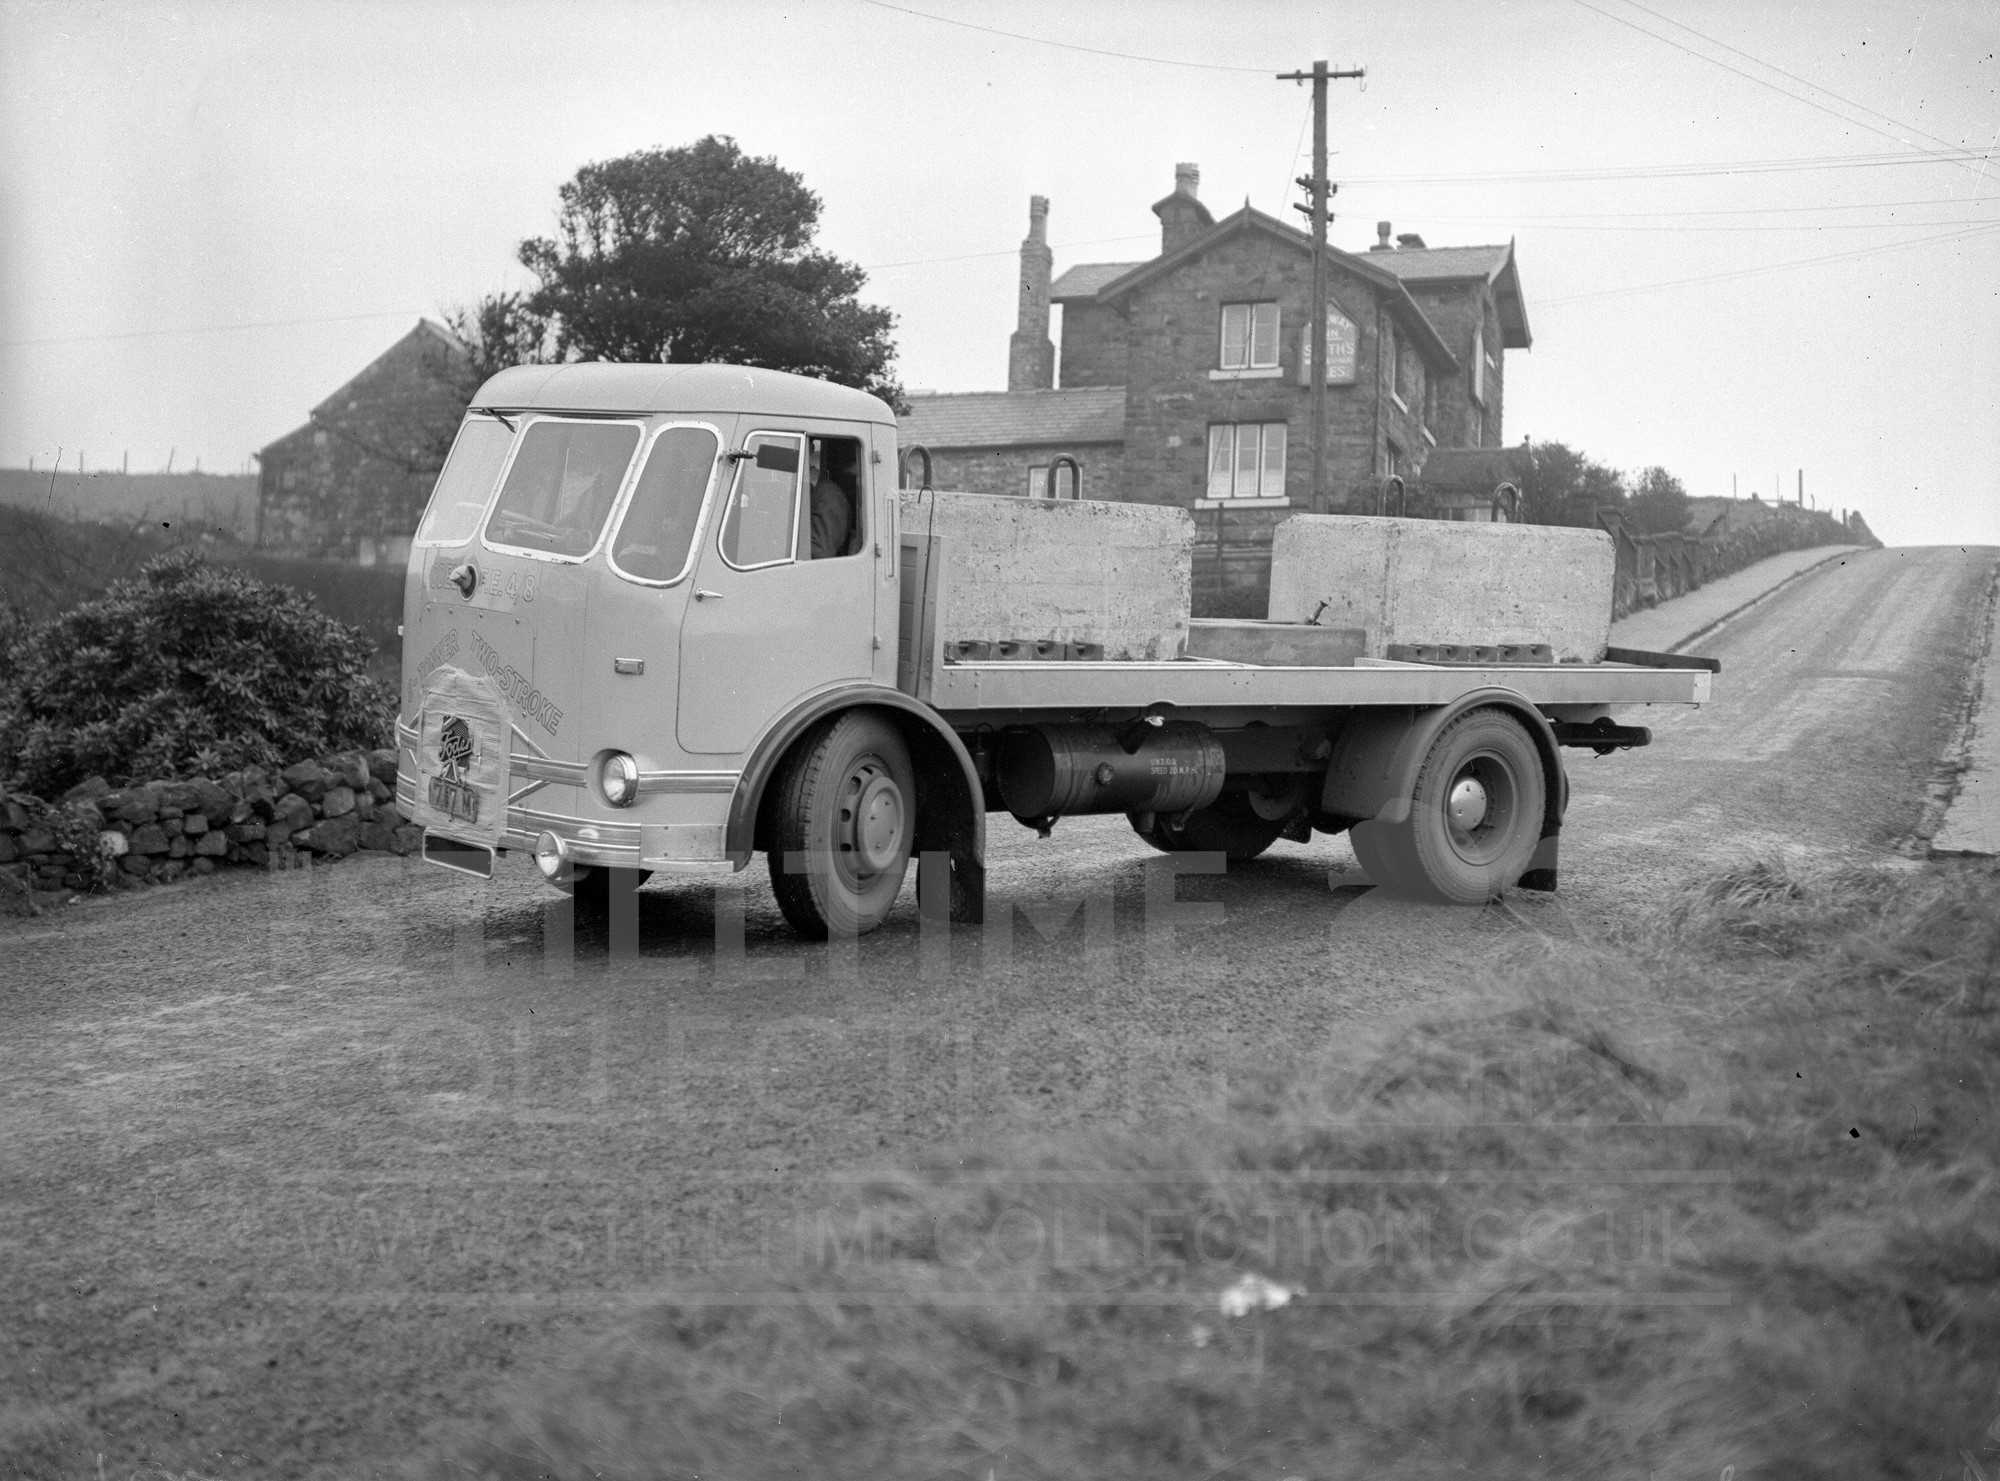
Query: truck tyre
843, 820
1475, 816
1229, 826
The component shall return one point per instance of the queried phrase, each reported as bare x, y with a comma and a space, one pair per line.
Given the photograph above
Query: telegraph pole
1320, 190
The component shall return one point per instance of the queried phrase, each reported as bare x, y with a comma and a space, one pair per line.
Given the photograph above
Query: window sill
1242, 503
1254, 373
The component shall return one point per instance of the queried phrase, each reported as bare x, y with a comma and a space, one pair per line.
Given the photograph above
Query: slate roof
1248, 219
1431, 264
1084, 414
426, 330
1083, 280
1493, 264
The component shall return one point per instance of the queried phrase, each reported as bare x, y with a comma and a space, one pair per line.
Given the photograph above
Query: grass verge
1719, 1193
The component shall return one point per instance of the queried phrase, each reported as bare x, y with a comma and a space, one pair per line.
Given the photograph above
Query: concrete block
1440, 581
1081, 573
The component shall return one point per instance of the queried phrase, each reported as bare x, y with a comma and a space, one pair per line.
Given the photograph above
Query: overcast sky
1754, 238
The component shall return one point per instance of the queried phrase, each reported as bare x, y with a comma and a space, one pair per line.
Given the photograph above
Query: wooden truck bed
1209, 684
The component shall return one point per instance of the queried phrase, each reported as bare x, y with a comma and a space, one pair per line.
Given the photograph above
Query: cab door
767, 622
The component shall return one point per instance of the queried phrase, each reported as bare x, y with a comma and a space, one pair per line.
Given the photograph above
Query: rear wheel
1230, 825
843, 821
1475, 815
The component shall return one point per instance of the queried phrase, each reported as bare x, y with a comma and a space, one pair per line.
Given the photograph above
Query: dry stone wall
98, 838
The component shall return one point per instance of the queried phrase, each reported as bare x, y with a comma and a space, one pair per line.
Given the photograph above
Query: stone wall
1004, 470
99, 838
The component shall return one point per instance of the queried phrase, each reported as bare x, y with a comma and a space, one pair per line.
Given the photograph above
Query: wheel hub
1468, 803
878, 823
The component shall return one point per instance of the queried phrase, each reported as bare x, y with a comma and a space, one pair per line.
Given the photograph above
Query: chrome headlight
618, 778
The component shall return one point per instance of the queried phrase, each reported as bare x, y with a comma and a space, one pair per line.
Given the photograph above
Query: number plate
461, 764
455, 799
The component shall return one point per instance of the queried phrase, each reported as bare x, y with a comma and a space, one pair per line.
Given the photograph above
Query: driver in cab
832, 511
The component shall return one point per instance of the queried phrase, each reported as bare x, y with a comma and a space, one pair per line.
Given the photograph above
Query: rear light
618, 778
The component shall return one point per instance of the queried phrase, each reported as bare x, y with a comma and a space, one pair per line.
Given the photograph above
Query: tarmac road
297, 1166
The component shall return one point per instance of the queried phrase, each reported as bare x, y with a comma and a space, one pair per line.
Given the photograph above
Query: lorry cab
635, 589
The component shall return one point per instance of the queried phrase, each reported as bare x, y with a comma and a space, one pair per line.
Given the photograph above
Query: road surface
299, 1165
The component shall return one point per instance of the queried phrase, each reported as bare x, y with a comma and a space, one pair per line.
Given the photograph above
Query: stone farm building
352, 482
1184, 379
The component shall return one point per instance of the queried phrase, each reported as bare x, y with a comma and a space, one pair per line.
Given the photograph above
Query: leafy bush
187, 669
366, 597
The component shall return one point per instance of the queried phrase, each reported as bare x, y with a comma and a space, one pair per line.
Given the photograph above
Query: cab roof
598, 386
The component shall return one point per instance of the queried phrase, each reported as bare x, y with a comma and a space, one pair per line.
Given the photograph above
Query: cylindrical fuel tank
1050, 770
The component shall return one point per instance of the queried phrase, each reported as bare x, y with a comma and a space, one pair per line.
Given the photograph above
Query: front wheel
844, 819
1475, 815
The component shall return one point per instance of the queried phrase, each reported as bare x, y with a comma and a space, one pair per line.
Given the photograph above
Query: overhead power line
1768, 267
1907, 128
1095, 51
1559, 224
193, 329
1684, 171
1936, 200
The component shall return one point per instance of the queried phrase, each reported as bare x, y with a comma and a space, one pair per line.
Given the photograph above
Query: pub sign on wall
1343, 347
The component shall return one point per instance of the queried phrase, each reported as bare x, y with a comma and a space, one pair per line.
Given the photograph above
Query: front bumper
680, 818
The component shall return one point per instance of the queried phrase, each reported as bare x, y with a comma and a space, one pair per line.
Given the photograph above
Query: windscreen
657, 531
561, 486
467, 481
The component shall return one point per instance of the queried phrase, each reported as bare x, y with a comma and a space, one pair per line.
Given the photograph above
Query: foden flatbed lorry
663, 616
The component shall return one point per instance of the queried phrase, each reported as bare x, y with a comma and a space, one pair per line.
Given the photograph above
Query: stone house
352, 482
1186, 378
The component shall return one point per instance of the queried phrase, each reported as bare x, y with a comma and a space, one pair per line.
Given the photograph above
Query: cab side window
759, 527
831, 525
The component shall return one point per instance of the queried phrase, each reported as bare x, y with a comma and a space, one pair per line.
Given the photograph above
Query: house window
1069, 485
1249, 336
1246, 460
1479, 363
1393, 461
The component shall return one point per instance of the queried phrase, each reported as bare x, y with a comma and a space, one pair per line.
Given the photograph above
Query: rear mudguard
1376, 757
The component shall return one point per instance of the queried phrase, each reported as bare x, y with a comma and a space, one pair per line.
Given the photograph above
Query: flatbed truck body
630, 646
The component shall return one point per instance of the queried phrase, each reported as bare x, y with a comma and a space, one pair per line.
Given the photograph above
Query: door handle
702, 594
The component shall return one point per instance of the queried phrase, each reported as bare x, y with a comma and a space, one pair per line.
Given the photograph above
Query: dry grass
1719, 1194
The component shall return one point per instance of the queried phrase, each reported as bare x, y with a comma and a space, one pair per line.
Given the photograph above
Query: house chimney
1382, 243
1031, 357
1409, 241
1182, 215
